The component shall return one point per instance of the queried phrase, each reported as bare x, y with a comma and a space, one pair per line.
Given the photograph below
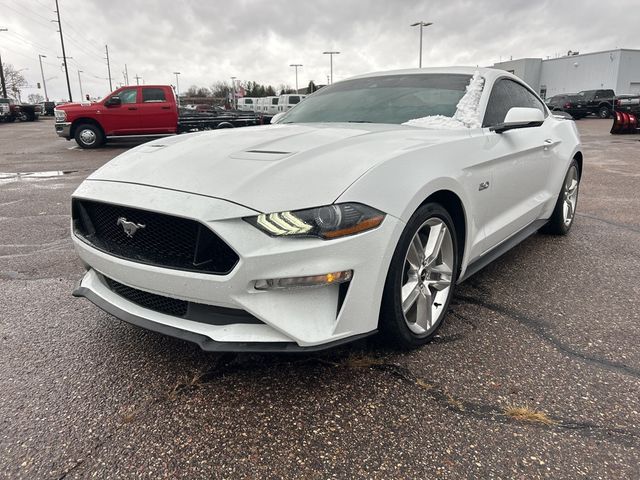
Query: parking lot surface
536, 372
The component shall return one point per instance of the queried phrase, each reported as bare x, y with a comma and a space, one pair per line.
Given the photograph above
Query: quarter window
505, 95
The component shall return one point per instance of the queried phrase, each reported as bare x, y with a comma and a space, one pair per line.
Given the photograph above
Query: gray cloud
257, 40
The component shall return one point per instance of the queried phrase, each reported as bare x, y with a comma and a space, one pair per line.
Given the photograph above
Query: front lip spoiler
204, 342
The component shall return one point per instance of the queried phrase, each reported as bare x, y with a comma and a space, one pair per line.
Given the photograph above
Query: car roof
487, 73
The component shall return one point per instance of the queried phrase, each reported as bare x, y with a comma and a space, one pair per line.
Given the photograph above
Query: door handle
133, 108
165, 108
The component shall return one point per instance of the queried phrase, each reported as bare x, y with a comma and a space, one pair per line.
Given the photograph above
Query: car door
123, 118
521, 162
158, 114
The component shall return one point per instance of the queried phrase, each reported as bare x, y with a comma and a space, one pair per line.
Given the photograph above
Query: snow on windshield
467, 111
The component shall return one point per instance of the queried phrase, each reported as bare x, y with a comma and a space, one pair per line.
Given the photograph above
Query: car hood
272, 167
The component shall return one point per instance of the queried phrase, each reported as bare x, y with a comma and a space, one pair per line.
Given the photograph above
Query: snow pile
467, 111
437, 122
467, 108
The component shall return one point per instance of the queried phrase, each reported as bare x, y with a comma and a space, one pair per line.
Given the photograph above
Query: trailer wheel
88, 136
604, 112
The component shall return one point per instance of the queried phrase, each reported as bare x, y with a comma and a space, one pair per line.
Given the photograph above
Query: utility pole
126, 74
64, 54
4, 87
80, 82
106, 49
331, 54
137, 79
233, 87
44, 84
296, 65
177, 87
422, 25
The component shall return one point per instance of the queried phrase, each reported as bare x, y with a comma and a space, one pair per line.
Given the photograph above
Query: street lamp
80, 82
296, 65
44, 83
422, 25
4, 87
177, 87
331, 54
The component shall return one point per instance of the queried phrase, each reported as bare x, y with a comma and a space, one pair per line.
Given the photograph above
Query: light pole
80, 82
4, 87
233, 89
422, 25
331, 54
44, 84
296, 65
177, 87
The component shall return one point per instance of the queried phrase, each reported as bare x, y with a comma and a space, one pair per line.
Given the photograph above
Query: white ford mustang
357, 212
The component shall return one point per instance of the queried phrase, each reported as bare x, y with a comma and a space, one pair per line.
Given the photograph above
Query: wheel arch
83, 120
452, 203
578, 157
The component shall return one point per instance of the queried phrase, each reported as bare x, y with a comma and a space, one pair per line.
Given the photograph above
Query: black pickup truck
569, 103
12, 110
598, 102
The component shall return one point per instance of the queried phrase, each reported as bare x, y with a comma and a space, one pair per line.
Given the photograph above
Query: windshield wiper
358, 121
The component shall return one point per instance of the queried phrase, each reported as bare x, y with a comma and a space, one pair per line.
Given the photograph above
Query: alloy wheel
427, 276
570, 195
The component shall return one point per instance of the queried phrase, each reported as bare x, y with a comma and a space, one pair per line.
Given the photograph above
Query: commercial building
612, 69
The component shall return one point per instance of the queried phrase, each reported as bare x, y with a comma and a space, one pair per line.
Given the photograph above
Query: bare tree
14, 80
35, 98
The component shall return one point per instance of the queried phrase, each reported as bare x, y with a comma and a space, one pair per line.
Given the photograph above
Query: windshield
386, 99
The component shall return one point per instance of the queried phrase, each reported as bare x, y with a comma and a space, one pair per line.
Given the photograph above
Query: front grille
158, 239
157, 303
197, 312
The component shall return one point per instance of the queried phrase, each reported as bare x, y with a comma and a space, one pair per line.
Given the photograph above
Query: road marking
72, 148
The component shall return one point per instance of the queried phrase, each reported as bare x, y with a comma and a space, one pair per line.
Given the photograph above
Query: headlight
61, 115
331, 221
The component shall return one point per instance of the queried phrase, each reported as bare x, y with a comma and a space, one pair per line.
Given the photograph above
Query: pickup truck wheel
88, 136
604, 112
421, 278
565, 209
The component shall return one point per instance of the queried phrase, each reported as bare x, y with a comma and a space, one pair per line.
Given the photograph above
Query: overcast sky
212, 40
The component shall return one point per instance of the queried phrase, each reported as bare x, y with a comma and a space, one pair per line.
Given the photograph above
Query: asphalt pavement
535, 374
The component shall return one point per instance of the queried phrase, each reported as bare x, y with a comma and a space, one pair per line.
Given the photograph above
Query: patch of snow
467, 110
437, 122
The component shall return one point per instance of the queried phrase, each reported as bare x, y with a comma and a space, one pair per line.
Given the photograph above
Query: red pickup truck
144, 110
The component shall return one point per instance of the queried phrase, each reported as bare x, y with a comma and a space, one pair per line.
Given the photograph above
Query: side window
507, 94
128, 96
153, 95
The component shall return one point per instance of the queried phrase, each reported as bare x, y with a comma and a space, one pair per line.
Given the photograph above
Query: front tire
88, 136
565, 210
421, 278
604, 112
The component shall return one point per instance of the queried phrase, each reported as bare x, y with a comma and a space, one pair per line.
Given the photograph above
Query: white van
246, 103
270, 106
285, 102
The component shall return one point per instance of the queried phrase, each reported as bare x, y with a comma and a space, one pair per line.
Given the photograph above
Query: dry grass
361, 361
528, 414
454, 402
424, 385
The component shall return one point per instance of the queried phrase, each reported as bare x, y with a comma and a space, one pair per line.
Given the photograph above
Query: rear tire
565, 210
421, 278
88, 136
604, 112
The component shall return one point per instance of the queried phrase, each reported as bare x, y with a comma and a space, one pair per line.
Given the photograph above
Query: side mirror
519, 117
113, 101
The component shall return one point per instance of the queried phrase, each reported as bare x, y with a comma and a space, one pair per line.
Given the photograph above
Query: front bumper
289, 320
63, 129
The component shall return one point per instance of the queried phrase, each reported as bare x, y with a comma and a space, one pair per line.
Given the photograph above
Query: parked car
246, 104
570, 103
343, 220
14, 110
137, 110
627, 114
48, 108
598, 102
286, 102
